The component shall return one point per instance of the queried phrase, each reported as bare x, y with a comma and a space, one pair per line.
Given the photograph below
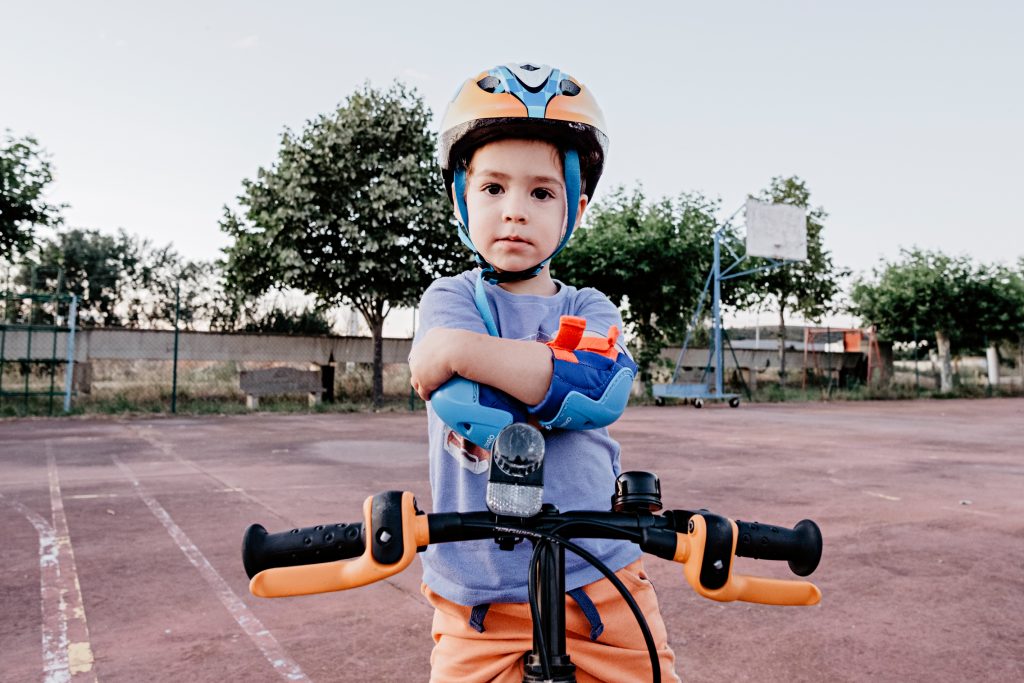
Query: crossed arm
522, 369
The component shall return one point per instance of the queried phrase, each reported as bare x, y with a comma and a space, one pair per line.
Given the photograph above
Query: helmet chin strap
571, 164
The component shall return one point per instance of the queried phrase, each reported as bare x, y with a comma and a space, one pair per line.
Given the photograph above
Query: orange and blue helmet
531, 102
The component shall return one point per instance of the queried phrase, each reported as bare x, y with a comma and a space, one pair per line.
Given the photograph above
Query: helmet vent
488, 83
531, 76
567, 87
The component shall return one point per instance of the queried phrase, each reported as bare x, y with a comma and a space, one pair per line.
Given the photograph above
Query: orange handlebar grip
690, 552
281, 582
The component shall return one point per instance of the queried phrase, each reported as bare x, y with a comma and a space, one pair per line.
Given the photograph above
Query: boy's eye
541, 193
492, 189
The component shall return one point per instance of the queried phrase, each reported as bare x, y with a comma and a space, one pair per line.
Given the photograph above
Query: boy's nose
513, 211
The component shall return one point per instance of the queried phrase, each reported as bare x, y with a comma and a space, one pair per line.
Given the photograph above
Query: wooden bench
276, 381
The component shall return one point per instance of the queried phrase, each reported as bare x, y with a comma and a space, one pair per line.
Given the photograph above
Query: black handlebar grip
800, 546
323, 543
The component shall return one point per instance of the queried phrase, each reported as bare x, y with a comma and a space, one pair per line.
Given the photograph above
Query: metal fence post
174, 373
69, 378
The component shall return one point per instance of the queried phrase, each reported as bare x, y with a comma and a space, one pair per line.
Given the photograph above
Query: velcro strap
570, 333
571, 338
605, 346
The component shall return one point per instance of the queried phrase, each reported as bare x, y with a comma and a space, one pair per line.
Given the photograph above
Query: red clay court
121, 558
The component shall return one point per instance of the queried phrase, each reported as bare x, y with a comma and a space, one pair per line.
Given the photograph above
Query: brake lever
706, 552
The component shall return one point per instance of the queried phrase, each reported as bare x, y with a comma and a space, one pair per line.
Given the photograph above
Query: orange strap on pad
571, 338
397, 540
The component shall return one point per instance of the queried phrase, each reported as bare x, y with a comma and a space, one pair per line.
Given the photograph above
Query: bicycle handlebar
320, 559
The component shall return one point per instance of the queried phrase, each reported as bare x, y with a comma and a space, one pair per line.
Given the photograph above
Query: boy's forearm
522, 369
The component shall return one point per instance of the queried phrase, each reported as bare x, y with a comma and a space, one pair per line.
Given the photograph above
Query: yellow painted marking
79, 657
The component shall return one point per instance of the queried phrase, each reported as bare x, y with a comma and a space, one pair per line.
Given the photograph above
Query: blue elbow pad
588, 393
476, 411
590, 381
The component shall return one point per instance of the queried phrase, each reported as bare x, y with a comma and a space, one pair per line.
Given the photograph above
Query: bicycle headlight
515, 485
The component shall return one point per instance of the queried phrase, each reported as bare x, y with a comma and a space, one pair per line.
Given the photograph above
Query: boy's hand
432, 359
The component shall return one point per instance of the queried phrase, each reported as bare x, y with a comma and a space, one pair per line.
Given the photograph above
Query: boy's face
515, 197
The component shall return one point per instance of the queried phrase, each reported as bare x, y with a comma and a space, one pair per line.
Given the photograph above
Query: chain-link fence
117, 359
36, 349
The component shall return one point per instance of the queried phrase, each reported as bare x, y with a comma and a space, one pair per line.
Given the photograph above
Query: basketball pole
716, 354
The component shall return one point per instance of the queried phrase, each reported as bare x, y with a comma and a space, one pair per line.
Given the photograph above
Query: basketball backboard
777, 231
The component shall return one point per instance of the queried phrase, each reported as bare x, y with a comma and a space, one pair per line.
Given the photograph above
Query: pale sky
906, 119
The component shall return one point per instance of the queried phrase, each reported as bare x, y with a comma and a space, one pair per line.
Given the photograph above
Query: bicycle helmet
530, 102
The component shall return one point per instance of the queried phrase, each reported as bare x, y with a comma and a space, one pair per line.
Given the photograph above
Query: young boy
521, 150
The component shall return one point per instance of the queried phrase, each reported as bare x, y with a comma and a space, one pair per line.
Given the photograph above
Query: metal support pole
28, 359
3, 344
716, 313
174, 372
69, 378
53, 358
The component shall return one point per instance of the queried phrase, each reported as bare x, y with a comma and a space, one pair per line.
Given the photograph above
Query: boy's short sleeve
448, 302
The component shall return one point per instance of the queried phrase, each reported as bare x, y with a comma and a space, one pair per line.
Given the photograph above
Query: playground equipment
855, 340
777, 232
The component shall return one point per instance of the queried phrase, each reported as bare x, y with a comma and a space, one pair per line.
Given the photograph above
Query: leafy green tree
925, 292
650, 259
808, 287
94, 266
121, 279
352, 212
997, 293
25, 171
283, 320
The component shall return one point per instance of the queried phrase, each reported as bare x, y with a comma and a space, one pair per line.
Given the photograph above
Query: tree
121, 279
997, 293
353, 211
926, 292
25, 171
284, 320
651, 259
808, 287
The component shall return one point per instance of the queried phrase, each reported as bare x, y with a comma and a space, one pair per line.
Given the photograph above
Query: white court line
883, 496
54, 627
79, 649
260, 636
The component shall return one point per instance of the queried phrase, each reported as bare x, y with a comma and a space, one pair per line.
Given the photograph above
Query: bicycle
319, 559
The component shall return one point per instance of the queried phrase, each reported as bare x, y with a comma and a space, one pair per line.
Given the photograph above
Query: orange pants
619, 655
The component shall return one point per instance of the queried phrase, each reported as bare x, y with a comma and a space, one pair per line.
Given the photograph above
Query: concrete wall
121, 344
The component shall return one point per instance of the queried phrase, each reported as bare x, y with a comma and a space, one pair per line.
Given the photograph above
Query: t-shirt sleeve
448, 303
599, 312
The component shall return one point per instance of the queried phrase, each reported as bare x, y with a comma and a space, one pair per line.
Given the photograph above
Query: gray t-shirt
580, 467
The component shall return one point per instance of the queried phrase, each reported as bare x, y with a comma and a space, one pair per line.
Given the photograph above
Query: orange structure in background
854, 341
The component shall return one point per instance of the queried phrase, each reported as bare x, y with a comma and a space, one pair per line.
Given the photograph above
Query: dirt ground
121, 538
